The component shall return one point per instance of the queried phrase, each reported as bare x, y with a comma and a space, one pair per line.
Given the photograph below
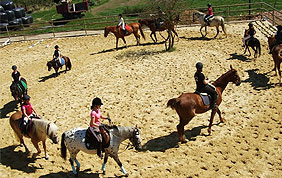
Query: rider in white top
121, 22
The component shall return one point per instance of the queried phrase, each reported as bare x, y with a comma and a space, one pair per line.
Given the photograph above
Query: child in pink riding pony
28, 111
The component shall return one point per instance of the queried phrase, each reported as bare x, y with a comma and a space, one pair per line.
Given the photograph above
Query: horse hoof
104, 172
46, 157
184, 141
126, 175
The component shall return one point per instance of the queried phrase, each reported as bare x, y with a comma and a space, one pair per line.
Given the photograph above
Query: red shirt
27, 108
210, 12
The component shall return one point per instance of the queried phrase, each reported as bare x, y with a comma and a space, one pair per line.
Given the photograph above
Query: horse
74, 141
187, 105
215, 21
118, 32
53, 64
253, 43
277, 56
18, 92
39, 131
151, 23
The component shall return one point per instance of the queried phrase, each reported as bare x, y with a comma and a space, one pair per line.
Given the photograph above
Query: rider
278, 38
95, 115
16, 75
159, 20
28, 112
122, 24
250, 33
203, 85
209, 14
57, 55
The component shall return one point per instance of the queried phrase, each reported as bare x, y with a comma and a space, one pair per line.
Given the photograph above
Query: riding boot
58, 63
99, 151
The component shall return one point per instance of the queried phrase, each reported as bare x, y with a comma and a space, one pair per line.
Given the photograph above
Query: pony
53, 64
187, 105
151, 23
40, 130
118, 32
17, 92
74, 141
277, 56
215, 21
254, 44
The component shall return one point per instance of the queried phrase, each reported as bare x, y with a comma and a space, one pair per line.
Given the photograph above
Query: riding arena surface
135, 84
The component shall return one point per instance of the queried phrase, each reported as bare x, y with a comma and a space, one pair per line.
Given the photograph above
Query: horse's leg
279, 72
124, 41
73, 158
116, 43
206, 32
184, 121
211, 120
20, 136
249, 51
201, 31
137, 37
151, 35
256, 51
35, 143
175, 33
120, 164
219, 114
105, 162
45, 150
217, 31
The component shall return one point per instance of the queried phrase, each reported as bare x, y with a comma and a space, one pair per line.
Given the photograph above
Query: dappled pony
74, 141
277, 56
39, 131
215, 21
118, 32
151, 23
187, 105
254, 44
54, 64
17, 92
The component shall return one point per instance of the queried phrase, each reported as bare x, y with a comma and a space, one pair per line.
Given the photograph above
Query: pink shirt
27, 108
210, 12
96, 116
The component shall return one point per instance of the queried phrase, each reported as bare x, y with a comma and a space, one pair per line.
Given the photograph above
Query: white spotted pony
74, 141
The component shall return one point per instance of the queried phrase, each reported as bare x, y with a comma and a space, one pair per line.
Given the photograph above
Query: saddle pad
127, 27
62, 61
205, 97
24, 84
91, 142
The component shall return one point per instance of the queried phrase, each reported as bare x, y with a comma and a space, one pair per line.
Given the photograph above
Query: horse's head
136, 139
196, 13
141, 21
106, 31
49, 65
235, 78
52, 132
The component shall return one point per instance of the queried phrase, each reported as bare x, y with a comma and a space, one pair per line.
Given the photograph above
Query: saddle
25, 128
205, 97
91, 142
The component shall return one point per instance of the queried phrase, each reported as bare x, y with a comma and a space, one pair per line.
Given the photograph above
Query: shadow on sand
239, 57
9, 107
53, 75
258, 81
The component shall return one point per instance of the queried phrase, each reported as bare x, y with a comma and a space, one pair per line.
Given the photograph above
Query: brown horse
253, 43
151, 23
118, 32
40, 130
188, 104
53, 64
277, 56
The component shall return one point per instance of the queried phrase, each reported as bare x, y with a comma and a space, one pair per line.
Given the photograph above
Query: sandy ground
135, 84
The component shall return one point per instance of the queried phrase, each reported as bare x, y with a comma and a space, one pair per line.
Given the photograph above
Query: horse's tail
141, 31
223, 26
69, 64
63, 147
172, 103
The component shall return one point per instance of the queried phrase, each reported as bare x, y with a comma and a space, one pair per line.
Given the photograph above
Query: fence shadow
17, 160
7, 108
257, 80
239, 57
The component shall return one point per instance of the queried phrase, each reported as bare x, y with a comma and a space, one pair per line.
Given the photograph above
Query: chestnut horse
53, 64
277, 56
134, 27
151, 23
40, 130
187, 105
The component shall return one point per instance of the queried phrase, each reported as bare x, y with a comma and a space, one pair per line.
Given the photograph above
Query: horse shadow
171, 141
17, 160
82, 174
239, 57
7, 108
53, 75
258, 81
196, 38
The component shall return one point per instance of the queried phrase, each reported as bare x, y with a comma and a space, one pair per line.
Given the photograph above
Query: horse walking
188, 105
151, 23
254, 44
18, 92
215, 21
118, 32
277, 56
39, 131
53, 64
74, 141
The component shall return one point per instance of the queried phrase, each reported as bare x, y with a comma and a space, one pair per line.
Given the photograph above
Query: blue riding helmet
14, 67
26, 97
199, 65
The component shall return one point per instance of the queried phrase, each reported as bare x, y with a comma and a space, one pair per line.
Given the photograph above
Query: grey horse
215, 21
74, 141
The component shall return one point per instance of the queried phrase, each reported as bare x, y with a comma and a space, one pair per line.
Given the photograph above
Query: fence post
228, 12
53, 29
273, 17
84, 24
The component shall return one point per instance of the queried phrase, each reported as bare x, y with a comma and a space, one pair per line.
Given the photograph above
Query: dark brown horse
277, 56
17, 91
118, 32
254, 44
39, 132
188, 105
53, 64
151, 23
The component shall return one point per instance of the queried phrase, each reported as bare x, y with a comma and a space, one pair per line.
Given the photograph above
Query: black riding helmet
251, 24
279, 28
120, 15
26, 97
14, 67
56, 47
209, 5
97, 101
199, 65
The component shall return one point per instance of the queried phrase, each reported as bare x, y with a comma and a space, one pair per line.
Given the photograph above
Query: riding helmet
120, 15
97, 101
14, 67
26, 97
199, 65
251, 24
279, 28
56, 47
209, 5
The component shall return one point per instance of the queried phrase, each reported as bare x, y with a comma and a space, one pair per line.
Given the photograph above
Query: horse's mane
41, 127
222, 79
